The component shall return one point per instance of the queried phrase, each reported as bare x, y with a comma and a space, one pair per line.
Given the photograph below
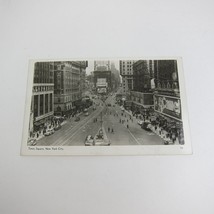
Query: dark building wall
141, 76
43, 72
166, 76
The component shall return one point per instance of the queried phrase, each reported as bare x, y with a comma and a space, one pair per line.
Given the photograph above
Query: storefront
128, 105
40, 124
168, 116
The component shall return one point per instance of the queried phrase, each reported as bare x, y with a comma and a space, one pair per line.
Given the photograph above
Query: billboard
170, 106
101, 82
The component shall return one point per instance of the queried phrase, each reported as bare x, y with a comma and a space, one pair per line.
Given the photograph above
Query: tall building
167, 103
43, 95
101, 65
141, 95
102, 81
115, 77
83, 84
69, 83
126, 71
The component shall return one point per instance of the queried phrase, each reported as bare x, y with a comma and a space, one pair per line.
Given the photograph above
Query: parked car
77, 119
89, 141
146, 126
86, 114
140, 122
122, 108
101, 142
57, 127
49, 132
31, 142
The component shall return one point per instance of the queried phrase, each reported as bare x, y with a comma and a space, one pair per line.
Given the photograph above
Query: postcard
113, 106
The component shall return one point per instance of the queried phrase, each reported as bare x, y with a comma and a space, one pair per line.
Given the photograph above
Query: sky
90, 67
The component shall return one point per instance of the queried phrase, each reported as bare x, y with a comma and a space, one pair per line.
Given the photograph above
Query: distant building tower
101, 65
126, 71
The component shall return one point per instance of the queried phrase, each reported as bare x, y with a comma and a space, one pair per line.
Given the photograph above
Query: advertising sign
101, 82
169, 106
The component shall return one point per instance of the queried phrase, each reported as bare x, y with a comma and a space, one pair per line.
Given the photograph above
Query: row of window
43, 104
71, 98
42, 88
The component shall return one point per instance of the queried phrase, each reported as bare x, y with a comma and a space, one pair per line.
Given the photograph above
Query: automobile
85, 110
77, 119
101, 142
57, 127
109, 104
31, 142
140, 122
86, 114
122, 108
146, 126
89, 141
49, 132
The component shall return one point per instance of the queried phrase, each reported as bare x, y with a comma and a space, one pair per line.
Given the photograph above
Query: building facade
69, 84
42, 105
126, 71
141, 95
115, 77
167, 102
102, 79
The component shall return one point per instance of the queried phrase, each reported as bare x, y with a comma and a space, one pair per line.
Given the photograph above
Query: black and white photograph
108, 103
107, 107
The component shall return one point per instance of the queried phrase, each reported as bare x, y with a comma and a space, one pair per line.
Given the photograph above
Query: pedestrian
127, 126
108, 129
173, 137
127, 120
112, 130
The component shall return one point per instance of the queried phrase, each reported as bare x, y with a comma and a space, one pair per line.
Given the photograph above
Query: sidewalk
157, 131
163, 135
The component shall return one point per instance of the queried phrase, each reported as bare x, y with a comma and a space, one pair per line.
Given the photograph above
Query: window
35, 105
46, 103
51, 104
41, 104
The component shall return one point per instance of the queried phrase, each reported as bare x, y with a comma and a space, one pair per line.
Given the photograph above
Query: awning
40, 122
128, 103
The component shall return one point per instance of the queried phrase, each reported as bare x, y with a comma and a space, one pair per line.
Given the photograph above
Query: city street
109, 116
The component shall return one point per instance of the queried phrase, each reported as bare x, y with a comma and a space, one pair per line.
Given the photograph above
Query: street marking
134, 137
70, 137
78, 126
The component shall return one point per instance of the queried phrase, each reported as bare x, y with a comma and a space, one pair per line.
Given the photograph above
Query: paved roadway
74, 133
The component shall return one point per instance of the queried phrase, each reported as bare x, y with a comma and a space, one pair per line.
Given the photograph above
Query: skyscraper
101, 65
